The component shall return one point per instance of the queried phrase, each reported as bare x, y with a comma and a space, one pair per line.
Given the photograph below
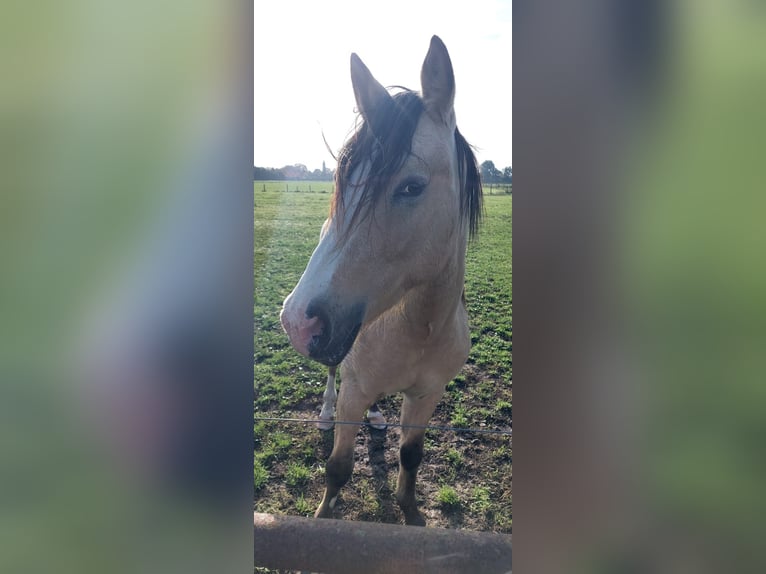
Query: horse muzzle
323, 332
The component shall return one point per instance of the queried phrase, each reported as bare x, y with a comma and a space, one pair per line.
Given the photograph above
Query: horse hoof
323, 511
325, 425
377, 420
414, 518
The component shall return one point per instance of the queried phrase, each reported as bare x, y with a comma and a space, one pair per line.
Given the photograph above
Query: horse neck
436, 302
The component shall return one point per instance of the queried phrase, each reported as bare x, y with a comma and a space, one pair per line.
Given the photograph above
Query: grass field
465, 478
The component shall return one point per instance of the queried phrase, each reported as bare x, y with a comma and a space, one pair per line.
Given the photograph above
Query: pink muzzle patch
302, 331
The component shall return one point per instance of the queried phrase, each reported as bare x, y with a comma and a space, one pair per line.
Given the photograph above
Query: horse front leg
328, 405
351, 407
415, 411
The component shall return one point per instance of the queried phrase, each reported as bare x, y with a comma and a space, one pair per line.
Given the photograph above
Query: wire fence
508, 432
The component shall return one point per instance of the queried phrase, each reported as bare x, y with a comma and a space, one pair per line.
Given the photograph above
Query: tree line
298, 171
294, 172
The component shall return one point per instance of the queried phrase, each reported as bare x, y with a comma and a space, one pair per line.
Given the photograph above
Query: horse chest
396, 361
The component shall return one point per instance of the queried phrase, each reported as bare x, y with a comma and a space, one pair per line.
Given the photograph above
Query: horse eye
411, 189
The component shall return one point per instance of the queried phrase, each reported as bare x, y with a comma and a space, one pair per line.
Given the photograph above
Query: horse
383, 293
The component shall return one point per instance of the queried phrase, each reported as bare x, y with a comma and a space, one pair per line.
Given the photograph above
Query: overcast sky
302, 82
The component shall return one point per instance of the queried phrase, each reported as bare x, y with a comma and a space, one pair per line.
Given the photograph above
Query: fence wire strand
398, 425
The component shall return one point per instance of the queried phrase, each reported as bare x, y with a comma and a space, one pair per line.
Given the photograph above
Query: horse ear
437, 81
368, 92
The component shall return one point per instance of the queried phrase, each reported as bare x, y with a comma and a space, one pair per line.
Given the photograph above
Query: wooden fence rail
348, 547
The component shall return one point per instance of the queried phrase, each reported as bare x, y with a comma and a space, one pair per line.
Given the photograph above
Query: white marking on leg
377, 420
333, 500
328, 406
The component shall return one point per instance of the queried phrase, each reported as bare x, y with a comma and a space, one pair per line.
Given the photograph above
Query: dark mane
471, 205
386, 140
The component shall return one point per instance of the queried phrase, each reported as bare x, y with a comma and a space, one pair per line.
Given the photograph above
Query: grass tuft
302, 507
480, 499
454, 458
448, 497
260, 475
297, 475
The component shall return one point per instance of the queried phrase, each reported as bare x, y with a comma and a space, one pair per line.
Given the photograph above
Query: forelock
382, 143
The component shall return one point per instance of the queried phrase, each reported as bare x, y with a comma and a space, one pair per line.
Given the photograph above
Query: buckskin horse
383, 296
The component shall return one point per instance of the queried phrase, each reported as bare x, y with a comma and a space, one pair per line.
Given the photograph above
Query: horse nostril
314, 331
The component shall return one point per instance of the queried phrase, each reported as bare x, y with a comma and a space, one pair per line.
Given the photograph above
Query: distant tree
303, 171
267, 173
508, 174
489, 173
296, 171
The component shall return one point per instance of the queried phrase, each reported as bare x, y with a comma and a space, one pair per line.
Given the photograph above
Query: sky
303, 85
